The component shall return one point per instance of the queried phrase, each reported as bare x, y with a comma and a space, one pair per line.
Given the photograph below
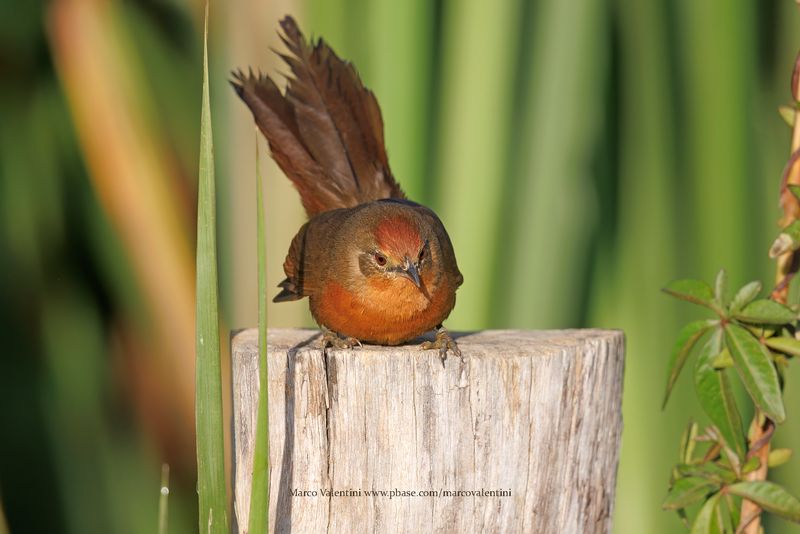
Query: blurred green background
582, 153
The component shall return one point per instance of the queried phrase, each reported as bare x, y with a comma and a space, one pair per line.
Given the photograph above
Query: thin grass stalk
211, 488
163, 501
259, 494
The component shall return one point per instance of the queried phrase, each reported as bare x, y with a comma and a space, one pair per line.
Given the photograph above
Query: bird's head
400, 252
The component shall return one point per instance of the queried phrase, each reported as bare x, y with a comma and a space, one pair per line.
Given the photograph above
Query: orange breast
384, 311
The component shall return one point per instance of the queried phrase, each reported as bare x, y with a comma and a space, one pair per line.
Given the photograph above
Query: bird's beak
409, 270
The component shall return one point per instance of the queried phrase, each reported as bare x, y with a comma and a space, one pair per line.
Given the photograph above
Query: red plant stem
761, 433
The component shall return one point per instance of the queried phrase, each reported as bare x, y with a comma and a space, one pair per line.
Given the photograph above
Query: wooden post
523, 436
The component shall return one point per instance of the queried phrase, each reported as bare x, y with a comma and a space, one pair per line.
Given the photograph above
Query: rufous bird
375, 266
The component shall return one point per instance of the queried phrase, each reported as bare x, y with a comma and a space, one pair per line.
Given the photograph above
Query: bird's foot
443, 343
332, 339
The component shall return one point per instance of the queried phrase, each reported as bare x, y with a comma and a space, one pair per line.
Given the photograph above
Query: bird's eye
421, 255
380, 259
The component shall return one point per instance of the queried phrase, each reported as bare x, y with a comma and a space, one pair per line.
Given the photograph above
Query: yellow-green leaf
708, 470
778, 457
765, 311
787, 114
745, 295
687, 441
687, 338
751, 465
769, 496
723, 360
695, 291
715, 396
721, 288
785, 344
687, 491
704, 522
754, 366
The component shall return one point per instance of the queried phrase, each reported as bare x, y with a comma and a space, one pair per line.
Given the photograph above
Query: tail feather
326, 131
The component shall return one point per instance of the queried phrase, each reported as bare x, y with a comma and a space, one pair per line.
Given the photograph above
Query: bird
376, 267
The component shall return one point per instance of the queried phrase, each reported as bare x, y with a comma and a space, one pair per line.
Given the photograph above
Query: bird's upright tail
326, 131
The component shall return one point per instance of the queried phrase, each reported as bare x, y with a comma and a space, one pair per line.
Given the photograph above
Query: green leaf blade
715, 396
687, 339
754, 366
259, 493
765, 311
745, 295
785, 344
687, 491
708, 470
704, 522
769, 496
694, 291
211, 487
721, 288
778, 457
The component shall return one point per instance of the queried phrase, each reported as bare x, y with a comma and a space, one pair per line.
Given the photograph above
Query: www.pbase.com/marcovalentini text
323, 492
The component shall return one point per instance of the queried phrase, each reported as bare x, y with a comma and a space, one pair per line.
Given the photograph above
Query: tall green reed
259, 495
211, 489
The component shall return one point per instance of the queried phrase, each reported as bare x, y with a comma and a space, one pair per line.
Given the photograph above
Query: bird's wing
293, 286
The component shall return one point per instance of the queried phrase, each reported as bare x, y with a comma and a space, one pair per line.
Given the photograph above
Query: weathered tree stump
522, 436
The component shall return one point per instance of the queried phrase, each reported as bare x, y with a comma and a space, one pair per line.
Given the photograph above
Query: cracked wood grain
534, 414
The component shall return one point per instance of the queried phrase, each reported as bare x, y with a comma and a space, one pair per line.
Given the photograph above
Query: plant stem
163, 501
761, 428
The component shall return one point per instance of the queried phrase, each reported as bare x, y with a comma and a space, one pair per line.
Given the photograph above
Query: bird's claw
332, 339
443, 343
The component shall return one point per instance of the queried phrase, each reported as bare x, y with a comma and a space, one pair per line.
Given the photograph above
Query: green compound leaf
753, 363
695, 291
745, 295
769, 496
785, 344
687, 491
687, 338
714, 393
704, 523
765, 311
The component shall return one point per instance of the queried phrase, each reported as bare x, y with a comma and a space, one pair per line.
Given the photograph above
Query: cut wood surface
522, 436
